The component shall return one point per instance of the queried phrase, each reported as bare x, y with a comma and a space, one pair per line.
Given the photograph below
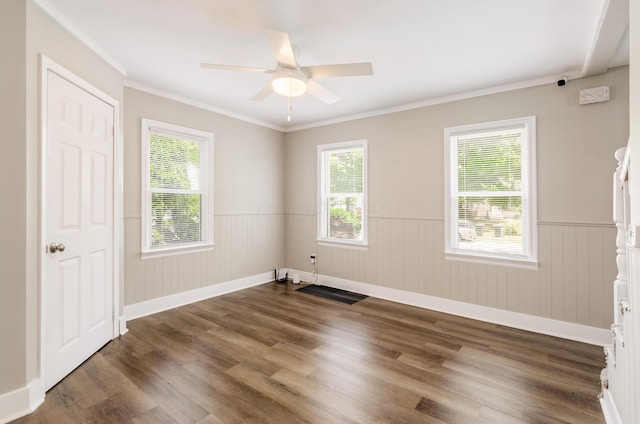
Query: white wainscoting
565, 330
572, 283
164, 303
245, 245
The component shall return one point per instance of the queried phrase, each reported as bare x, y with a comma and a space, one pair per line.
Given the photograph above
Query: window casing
342, 190
490, 189
177, 189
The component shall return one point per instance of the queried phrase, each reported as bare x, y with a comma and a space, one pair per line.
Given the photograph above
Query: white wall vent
594, 95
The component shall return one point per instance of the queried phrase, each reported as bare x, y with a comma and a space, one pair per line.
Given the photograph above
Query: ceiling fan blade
235, 68
266, 91
281, 46
321, 93
339, 70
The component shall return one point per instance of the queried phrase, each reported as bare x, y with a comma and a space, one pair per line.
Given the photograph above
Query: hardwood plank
327, 395
305, 408
111, 410
269, 354
154, 416
445, 413
153, 381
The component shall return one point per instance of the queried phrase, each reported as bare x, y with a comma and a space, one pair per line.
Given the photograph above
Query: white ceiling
421, 50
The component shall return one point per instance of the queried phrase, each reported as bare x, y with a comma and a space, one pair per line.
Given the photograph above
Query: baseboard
123, 325
551, 327
563, 329
25, 400
21, 402
609, 409
160, 304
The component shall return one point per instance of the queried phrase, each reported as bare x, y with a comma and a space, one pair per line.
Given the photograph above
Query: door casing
119, 325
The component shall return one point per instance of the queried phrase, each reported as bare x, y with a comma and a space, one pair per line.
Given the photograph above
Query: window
177, 200
490, 191
342, 181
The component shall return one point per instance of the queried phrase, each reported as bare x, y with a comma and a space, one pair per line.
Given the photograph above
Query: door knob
53, 247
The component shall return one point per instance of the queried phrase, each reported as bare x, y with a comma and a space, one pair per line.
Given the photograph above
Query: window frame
529, 259
205, 138
323, 209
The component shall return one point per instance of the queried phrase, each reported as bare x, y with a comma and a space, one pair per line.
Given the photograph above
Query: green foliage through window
343, 176
490, 188
346, 172
176, 204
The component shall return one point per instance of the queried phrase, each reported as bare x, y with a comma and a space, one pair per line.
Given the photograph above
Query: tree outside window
490, 190
176, 204
342, 192
177, 201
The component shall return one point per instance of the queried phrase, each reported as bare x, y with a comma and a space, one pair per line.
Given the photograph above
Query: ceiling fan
290, 79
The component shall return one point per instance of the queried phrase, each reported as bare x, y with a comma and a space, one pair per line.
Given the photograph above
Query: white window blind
342, 189
177, 199
491, 190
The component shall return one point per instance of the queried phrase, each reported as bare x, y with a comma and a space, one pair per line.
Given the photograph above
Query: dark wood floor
271, 355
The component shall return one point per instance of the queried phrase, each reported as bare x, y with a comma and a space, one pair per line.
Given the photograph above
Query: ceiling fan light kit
289, 84
289, 79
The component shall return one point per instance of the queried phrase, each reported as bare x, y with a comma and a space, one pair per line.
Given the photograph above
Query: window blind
490, 190
490, 166
177, 198
342, 192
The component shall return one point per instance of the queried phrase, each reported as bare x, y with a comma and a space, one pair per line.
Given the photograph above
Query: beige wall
257, 171
248, 202
46, 37
12, 213
249, 223
575, 146
25, 32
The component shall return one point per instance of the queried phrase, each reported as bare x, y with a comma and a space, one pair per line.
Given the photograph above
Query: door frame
119, 324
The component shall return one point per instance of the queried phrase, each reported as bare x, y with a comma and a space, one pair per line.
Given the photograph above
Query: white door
78, 218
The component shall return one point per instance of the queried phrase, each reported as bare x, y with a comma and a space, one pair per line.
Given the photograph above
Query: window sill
176, 251
492, 260
343, 244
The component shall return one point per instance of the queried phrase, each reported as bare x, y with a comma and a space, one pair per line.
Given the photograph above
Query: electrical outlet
313, 258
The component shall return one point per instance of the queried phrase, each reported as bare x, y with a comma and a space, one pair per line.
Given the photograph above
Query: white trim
205, 140
452, 135
123, 324
612, 26
69, 26
200, 105
342, 244
47, 65
552, 79
66, 23
551, 327
21, 402
170, 251
480, 258
609, 410
160, 304
118, 213
322, 192
624, 165
57, 16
